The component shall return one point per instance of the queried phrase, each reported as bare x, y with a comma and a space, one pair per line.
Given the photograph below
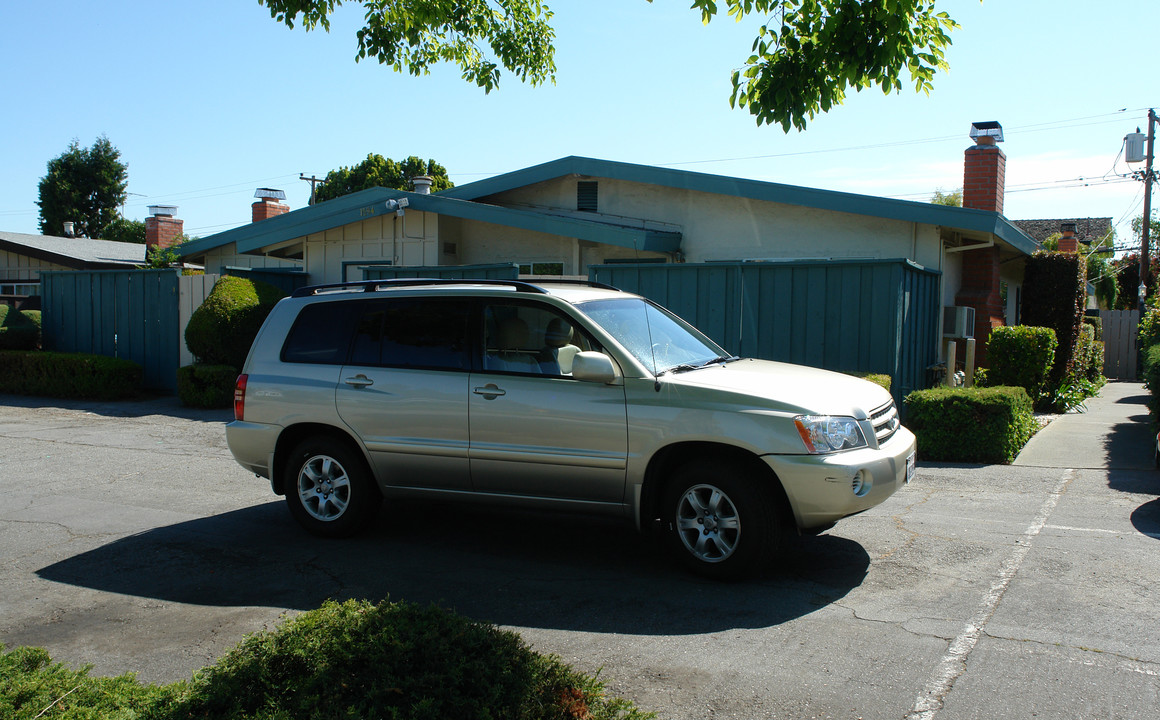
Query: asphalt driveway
129, 539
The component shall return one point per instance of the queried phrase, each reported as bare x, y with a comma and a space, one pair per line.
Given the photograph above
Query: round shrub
221, 331
19, 329
206, 386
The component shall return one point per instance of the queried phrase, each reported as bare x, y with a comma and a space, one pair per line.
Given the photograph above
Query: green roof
957, 218
466, 201
373, 202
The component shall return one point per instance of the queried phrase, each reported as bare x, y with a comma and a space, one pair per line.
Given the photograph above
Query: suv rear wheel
328, 488
720, 523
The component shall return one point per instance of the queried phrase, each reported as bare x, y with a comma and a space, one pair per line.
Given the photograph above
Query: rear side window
413, 333
321, 334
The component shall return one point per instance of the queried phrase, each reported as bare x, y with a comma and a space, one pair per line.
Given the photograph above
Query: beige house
23, 257
562, 217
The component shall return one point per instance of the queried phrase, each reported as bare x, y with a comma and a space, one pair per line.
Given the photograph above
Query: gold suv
555, 395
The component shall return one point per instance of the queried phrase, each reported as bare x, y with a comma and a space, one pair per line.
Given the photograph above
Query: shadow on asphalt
526, 570
1146, 519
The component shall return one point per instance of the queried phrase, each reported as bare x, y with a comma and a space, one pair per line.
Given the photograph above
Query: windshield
660, 340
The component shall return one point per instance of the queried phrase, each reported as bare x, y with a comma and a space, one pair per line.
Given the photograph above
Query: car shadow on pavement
1146, 519
507, 568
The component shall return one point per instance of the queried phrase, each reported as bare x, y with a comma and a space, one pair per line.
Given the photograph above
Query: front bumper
825, 488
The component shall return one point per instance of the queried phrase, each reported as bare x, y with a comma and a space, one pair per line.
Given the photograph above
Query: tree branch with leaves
805, 57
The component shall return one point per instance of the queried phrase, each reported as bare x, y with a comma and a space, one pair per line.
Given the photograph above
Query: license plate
909, 468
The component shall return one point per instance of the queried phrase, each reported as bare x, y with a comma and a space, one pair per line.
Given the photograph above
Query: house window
586, 195
542, 268
20, 289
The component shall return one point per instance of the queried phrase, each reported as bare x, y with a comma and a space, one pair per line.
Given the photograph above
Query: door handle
490, 391
359, 381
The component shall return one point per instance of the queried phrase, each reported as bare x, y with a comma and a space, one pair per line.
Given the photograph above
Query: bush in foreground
69, 375
986, 425
1021, 356
348, 660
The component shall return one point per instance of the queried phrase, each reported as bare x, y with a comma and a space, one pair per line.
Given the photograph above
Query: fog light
860, 484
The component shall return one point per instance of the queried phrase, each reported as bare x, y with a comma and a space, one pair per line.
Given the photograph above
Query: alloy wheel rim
708, 523
324, 488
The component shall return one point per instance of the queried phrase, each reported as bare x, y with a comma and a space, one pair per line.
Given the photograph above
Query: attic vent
586, 193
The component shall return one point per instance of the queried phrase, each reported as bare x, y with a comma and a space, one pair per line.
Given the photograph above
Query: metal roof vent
269, 194
991, 130
163, 210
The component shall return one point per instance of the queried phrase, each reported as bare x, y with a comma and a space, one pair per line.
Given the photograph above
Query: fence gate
1119, 332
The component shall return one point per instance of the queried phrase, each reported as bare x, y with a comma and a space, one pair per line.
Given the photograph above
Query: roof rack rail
373, 285
582, 283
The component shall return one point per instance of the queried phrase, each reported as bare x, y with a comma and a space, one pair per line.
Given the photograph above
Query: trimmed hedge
69, 375
879, 379
19, 329
221, 331
1021, 356
206, 386
1151, 375
983, 425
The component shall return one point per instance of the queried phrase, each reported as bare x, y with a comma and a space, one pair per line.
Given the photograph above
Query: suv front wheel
328, 488
720, 523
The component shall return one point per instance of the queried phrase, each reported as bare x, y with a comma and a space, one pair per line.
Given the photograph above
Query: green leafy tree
951, 199
84, 186
413, 35
805, 57
127, 231
378, 171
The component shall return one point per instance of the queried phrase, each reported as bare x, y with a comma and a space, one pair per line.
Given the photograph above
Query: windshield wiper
685, 367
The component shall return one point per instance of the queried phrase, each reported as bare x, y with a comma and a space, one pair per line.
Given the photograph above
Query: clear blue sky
209, 100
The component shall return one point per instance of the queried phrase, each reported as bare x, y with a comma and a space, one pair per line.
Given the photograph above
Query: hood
791, 388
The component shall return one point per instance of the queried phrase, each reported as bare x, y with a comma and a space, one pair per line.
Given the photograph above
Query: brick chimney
162, 230
1068, 243
268, 204
984, 171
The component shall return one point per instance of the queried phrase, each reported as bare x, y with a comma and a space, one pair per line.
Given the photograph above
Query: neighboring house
562, 217
1076, 235
23, 257
1087, 230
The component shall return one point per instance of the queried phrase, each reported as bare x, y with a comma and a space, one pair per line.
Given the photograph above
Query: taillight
240, 397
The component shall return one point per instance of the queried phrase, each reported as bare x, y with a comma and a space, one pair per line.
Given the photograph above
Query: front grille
885, 421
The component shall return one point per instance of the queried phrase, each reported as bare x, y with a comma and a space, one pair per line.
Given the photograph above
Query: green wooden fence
876, 316
131, 314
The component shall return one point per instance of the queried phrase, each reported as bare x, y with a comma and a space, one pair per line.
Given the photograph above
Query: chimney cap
1067, 227
270, 193
163, 210
991, 129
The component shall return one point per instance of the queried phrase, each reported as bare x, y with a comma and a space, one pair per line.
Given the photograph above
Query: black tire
329, 489
720, 521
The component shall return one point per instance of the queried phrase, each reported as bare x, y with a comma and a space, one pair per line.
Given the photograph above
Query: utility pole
313, 181
1149, 178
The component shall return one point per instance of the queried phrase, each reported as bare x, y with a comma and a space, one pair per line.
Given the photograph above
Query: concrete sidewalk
1114, 433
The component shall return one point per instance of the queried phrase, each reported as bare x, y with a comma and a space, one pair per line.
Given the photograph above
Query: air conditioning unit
958, 322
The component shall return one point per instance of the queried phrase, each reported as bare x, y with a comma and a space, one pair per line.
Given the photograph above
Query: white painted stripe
1125, 533
954, 662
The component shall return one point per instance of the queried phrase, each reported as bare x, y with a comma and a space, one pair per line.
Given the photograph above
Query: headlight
824, 433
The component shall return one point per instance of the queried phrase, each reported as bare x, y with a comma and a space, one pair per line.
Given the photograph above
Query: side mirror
593, 367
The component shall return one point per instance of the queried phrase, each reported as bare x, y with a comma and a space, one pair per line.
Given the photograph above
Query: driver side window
527, 339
